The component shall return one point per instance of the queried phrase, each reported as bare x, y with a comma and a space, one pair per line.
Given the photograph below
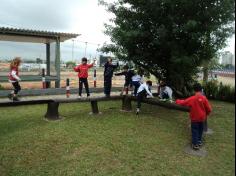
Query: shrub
1, 87
215, 90
211, 89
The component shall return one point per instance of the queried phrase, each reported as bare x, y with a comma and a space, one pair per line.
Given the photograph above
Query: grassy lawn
114, 143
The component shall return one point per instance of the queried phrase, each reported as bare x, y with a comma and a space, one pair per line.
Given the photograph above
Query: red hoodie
199, 107
83, 70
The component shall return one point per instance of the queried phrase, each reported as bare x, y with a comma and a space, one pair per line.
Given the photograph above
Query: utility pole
85, 52
73, 45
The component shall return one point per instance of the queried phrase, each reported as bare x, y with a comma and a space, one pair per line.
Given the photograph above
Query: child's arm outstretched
91, 65
120, 74
185, 102
76, 69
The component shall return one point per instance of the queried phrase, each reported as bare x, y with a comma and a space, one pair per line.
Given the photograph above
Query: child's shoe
200, 144
195, 147
10, 96
79, 96
16, 99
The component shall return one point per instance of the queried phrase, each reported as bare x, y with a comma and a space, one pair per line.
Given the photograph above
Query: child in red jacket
199, 110
14, 78
82, 70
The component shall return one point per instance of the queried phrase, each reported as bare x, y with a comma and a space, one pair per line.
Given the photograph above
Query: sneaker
10, 96
16, 99
200, 144
195, 147
137, 111
79, 96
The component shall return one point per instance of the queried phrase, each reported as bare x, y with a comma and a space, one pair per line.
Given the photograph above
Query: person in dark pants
143, 90
14, 78
82, 70
128, 78
108, 74
199, 110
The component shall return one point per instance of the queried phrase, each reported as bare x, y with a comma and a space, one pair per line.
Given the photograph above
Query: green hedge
217, 91
1, 88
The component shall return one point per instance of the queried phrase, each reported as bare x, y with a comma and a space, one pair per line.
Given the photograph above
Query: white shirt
168, 91
144, 86
13, 74
136, 78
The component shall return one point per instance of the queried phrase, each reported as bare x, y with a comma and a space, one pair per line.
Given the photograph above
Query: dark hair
197, 87
149, 82
126, 67
163, 83
84, 59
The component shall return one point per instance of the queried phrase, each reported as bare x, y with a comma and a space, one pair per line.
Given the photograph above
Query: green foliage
218, 91
70, 64
169, 39
1, 87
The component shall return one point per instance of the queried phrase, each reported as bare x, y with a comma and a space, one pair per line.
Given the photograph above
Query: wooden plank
76, 100
163, 104
25, 102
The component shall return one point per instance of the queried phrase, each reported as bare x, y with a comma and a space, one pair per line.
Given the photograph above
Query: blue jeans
197, 130
136, 85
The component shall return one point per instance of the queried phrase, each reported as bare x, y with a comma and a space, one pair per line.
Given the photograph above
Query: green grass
114, 143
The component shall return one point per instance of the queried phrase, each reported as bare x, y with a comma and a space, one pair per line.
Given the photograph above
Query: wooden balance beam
154, 101
53, 104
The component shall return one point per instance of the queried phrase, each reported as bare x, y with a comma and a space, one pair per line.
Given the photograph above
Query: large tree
169, 38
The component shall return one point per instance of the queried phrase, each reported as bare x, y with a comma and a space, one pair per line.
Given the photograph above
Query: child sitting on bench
143, 90
165, 91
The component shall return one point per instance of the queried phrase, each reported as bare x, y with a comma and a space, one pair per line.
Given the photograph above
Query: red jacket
11, 78
83, 70
199, 107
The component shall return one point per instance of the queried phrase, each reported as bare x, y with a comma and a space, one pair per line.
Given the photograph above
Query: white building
227, 58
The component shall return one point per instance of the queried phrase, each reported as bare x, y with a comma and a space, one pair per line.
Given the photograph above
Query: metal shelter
36, 36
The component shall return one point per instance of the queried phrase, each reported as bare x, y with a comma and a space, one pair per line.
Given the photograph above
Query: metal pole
68, 88
85, 52
43, 79
73, 45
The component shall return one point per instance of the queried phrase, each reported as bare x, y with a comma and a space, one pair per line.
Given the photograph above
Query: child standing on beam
143, 91
108, 74
82, 70
128, 78
200, 109
137, 80
14, 78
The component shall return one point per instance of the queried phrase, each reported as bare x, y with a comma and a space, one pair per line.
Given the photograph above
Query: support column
48, 73
52, 111
94, 106
126, 104
58, 63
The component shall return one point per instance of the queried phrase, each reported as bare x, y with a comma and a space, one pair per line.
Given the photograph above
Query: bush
215, 90
1, 87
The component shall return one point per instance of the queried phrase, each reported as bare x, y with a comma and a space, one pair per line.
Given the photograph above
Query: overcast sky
84, 17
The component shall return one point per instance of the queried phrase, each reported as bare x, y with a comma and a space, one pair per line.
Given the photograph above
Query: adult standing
108, 74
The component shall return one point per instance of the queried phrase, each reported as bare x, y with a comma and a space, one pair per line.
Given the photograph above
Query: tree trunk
205, 74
